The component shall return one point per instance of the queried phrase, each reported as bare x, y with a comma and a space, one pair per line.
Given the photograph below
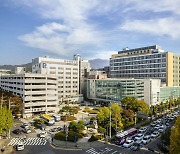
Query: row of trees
14, 103
175, 138
121, 117
162, 107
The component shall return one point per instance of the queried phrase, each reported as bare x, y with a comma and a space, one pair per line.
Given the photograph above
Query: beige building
146, 62
38, 92
67, 72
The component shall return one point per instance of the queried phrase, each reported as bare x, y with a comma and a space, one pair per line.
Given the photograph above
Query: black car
17, 131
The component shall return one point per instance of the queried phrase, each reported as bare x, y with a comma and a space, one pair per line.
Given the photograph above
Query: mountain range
95, 64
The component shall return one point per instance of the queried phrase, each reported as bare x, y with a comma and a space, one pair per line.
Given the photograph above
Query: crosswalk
28, 141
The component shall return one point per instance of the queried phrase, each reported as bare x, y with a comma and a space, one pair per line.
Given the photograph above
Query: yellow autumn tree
175, 138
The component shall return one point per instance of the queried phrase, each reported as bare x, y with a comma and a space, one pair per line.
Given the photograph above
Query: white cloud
154, 5
160, 27
103, 54
71, 27
61, 39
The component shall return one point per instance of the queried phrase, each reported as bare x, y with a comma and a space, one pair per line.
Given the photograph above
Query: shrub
69, 118
73, 135
87, 109
93, 138
60, 136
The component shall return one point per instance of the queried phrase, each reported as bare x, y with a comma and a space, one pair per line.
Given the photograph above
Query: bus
121, 136
57, 117
48, 119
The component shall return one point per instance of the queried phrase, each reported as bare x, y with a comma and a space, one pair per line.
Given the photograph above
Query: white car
160, 130
146, 139
154, 134
128, 143
142, 129
139, 136
42, 134
20, 146
139, 141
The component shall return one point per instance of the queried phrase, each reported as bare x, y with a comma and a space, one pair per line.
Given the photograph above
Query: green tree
135, 105
38, 122
103, 117
6, 120
77, 127
73, 126
175, 138
80, 126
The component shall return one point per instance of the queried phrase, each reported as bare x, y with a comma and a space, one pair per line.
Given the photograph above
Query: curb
63, 148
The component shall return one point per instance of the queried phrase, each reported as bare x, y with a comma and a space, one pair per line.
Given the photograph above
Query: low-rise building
114, 90
38, 91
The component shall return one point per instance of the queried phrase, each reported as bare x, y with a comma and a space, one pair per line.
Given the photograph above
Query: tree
116, 111
80, 126
73, 126
6, 120
16, 104
135, 105
38, 122
103, 117
175, 137
77, 127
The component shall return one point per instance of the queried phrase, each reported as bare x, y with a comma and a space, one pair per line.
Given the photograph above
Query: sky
91, 28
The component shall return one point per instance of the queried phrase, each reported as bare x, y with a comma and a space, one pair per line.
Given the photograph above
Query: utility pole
110, 124
2, 100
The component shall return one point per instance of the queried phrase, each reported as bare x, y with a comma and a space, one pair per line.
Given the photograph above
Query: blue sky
92, 28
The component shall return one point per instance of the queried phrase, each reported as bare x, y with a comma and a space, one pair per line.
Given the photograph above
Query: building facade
114, 90
146, 62
167, 93
84, 69
38, 92
67, 72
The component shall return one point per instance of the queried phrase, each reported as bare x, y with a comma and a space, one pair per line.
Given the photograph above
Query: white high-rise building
84, 69
38, 92
67, 72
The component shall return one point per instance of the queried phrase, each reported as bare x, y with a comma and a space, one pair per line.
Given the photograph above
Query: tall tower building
84, 69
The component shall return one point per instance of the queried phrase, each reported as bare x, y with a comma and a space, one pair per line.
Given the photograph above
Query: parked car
42, 134
25, 125
26, 130
128, 143
142, 130
160, 130
139, 136
17, 131
154, 134
120, 142
146, 139
135, 147
20, 146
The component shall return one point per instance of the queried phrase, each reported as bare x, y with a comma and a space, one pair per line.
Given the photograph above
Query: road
105, 149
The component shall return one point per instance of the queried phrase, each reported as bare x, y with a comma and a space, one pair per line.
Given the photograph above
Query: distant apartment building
68, 72
38, 92
114, 90
4, 71
146, 62
97, 74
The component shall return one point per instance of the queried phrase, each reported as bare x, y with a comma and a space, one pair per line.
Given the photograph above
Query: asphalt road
105, 149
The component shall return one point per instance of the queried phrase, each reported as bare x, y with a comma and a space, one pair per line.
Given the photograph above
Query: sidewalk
7, 149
